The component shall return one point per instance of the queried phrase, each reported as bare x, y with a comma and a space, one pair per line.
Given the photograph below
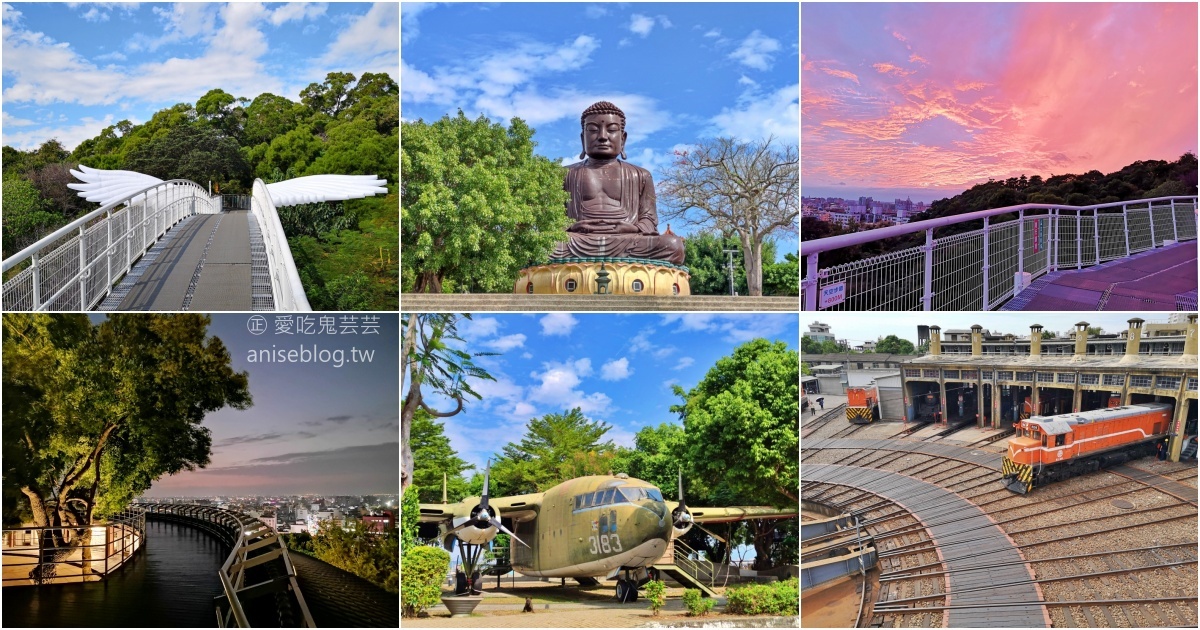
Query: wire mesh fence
984, 268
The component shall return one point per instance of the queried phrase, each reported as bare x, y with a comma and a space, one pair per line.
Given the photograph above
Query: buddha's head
603, 134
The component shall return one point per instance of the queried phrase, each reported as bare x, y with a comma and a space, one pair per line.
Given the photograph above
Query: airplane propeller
482, 516
681, 518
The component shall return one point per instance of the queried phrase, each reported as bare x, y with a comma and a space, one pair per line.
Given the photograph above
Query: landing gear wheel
626, 592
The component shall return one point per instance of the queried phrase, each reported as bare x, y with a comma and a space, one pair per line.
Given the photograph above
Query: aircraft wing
520, 507
733, 514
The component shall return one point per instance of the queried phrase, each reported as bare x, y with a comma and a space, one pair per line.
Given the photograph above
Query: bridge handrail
74, 262
819, 245
984, 268
285, 279
245, 534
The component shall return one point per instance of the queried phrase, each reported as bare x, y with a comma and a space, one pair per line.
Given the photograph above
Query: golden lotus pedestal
626, 276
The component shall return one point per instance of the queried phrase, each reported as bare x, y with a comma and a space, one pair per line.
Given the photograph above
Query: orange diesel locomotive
862, 404
1048, 449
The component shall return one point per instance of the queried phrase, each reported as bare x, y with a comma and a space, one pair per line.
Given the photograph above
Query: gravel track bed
1046, 530
826, 456
1063, 489
1169, 533
1144, 498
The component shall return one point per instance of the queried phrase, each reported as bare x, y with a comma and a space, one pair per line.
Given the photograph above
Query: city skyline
928, 100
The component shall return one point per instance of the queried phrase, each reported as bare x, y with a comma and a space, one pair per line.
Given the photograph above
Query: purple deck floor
1148, 281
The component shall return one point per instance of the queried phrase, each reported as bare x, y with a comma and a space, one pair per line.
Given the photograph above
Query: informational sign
1039, 235
833, 294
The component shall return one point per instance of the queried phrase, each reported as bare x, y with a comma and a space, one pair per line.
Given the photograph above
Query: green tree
331, 96
656, 455
808, 345
191, 152
293, 151
742, 423
895, 345
476, 203
357, 148
431, 355
805, 370
433, 457
104, 410
555, 447
354, 546
782, 278
27, 217
424, 569
269, 116
410, 515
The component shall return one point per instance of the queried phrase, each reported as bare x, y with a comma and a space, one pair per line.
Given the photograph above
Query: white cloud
736, 327
716, 32
595, 11
616, 370
70, 136
747, 81
298, 11
684, 362
641, 24
755, 51
13, 121
558, 388
757, 116
369, 44
506, 343
112, 56
558, 324
478, 327
641, 343
94, 14
664, 22
526, 355
409, 23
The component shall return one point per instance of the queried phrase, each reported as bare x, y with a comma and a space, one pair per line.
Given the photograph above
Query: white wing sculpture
105, 187
314, 188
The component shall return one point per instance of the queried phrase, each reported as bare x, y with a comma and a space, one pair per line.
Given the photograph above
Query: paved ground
1154, 280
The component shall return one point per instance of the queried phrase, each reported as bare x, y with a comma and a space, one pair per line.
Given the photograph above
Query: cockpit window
654, 494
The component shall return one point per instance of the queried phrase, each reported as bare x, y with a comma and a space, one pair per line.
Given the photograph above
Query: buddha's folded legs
664, 247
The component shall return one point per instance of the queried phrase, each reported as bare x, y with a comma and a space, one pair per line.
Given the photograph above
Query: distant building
819, 332
379, 523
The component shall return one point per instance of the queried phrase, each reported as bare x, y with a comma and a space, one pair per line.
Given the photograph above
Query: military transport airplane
583, 528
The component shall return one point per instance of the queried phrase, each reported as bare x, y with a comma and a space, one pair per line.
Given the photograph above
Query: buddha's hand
627, 228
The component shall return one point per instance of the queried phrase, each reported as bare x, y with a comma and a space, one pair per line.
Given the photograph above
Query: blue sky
617, 368
680, 71
314, 427
72, 69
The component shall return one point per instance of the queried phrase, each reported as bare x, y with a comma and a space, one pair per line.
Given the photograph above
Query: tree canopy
895, 345
748, 189
432, 458
555, 447
95, 413
477, 205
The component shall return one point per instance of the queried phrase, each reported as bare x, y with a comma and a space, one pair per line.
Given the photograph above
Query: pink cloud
841, 73
887, 68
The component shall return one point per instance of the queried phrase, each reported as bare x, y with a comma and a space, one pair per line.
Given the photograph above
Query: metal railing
252, 544
69, 560
285, 280
983, 268
73, 268
701, 570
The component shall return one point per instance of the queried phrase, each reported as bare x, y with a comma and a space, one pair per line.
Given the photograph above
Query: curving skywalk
170, 246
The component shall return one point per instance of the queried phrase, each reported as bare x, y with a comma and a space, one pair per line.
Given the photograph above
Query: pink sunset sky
930, 99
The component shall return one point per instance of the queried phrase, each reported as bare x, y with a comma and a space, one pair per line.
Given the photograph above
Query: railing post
1150, 214
35, 265
810, 281
1125, 218
1079, 240
927, 295
108, 248
986, 266
1096, 231
1174, 225
1021, 241
83, 267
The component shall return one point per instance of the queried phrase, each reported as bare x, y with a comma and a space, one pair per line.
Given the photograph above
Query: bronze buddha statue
612, 201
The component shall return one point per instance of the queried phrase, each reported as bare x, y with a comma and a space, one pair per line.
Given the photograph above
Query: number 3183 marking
607, 543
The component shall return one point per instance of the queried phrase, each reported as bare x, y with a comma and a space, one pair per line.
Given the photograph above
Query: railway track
1074, 545
825, 418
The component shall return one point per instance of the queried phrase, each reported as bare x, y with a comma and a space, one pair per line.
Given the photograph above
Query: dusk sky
71, 69
314, 427
680, 71
616, 368
929, 99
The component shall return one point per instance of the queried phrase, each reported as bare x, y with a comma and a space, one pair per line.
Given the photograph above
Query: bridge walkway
205, 263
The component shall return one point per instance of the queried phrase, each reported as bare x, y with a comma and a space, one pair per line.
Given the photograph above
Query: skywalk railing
983, 268
62, 555
252, 544
73, 268
285, 279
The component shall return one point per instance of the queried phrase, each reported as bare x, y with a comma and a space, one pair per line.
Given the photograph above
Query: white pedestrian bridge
169, 246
